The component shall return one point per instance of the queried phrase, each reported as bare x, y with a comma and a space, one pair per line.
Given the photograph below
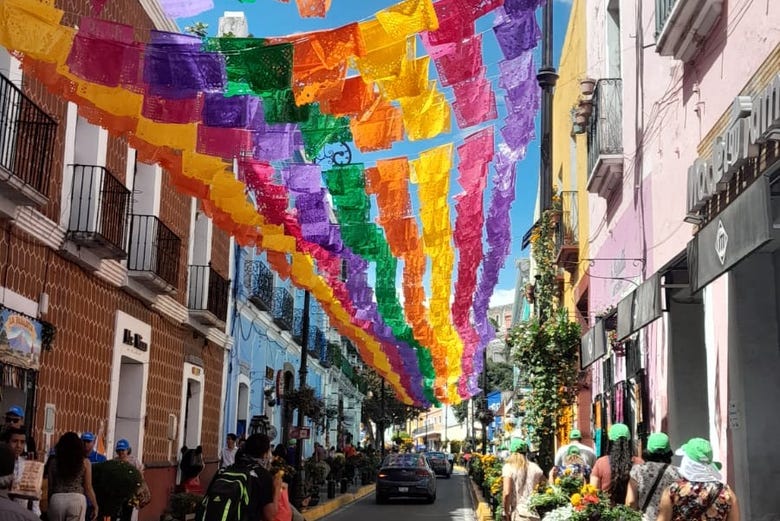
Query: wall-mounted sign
593, 344
741, 228
20, 339
134, 339
639, 308
269, 373
300, 433
754, 120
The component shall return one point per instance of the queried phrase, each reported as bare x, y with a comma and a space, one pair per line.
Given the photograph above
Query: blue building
267, 332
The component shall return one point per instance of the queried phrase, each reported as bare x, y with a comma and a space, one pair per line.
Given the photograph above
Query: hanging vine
546, 349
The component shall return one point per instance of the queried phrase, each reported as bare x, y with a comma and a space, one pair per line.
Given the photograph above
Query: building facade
676, 276
114, 285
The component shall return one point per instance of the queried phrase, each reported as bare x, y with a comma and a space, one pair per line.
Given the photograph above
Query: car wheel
447, 476
431, 499
380, 499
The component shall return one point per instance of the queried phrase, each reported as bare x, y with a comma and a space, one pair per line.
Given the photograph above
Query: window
613, 39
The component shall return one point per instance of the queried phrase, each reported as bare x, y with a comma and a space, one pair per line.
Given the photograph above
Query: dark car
439, 464
405, 475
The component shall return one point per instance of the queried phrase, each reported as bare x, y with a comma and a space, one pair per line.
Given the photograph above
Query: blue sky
272, 18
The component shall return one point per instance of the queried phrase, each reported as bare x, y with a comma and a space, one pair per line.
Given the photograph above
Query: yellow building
569, 164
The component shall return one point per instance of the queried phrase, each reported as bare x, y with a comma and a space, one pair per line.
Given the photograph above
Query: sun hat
88, 436
619, 430
291, 443
122, 444
575, 434
697, 464
658, 442
518, 445
15, 411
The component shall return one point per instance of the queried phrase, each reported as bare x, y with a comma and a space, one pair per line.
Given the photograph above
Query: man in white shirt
229, 452
586, 452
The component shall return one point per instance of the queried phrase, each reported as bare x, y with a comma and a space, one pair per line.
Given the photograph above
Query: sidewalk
328, 506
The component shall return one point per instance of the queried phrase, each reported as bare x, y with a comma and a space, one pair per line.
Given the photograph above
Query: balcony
605, 138
567, 232
318, 346
682, 26
26, 147
154, 254
208, 296
282, 310
99, 205
297, 329
259, 280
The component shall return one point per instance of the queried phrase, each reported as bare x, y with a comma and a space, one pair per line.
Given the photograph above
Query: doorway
129, 415
243, 409
192, 405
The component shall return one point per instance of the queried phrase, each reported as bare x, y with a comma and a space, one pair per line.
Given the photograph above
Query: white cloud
502, 297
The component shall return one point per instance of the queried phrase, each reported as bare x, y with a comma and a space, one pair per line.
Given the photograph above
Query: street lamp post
382, 420
300, 483
483, 421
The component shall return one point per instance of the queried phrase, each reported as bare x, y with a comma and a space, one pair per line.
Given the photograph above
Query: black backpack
227, 498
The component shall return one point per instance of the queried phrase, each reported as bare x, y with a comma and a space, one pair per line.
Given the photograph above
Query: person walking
612, 472
70, 481
9, 509
700, 494
89, 447
650, 479
229, 452
520, 478
573, 465
575, 440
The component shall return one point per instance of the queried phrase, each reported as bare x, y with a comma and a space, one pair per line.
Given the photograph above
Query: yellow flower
567, 472
576, 499
588, 489
548, 491
557, 481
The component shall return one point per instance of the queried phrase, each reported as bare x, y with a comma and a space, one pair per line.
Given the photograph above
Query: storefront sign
593, 344
639, 308
300, 433
741, 228
20, 339
754, 120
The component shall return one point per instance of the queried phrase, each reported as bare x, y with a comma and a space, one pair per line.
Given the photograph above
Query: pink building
684, 276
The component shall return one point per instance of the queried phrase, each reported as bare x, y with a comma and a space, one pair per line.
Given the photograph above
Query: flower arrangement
278, 465
571, 499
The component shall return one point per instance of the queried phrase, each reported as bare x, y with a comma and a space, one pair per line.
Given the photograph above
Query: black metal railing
208, 291
259, 281
663, 9
567, 228
282, 312
154, 248
297, 329
605, 132
26, 137
99, 205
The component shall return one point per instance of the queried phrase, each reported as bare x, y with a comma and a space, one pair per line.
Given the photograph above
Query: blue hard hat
15, 411
123, 444
88, 436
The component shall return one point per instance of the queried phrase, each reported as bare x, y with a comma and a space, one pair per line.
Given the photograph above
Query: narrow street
453, 503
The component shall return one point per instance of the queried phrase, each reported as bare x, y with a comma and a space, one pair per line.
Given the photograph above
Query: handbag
143, 495
658, 479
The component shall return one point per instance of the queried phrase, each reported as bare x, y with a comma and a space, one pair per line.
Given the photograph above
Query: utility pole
547, 77
300, 482
382, 420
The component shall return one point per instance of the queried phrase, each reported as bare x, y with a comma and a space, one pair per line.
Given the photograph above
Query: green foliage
455, 446
500, 376
199, 29
546, 348
395, 411
115, 483
183, 504
305, 400
461, 411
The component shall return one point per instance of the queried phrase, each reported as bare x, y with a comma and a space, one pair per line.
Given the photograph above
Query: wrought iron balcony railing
26, 145
567, 231
682, 26
297, 329
99, 206
208, 294
663, 9
282, 311
605, 137
259, 280
154, 252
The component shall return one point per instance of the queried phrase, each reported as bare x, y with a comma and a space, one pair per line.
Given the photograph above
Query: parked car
439, 464
405, 475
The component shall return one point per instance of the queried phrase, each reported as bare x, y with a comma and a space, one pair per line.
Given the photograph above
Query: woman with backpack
611, 473
650, 479
700, 494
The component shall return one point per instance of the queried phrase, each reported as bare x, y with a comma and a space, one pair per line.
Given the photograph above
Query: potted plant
587, 86
182, 506
115, 483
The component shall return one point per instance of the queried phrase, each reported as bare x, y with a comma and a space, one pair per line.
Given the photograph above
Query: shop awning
639, 308
593, 344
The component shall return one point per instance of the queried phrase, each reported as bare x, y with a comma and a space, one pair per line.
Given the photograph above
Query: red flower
591, 498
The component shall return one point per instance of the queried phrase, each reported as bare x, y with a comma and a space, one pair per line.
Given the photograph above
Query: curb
482, 508
320, 511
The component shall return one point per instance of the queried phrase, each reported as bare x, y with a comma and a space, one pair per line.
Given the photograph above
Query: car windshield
436, 455
403, 460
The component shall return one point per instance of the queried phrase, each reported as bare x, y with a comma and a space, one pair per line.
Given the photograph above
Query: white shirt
229, 456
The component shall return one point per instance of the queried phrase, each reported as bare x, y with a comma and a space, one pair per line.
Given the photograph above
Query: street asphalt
453, 503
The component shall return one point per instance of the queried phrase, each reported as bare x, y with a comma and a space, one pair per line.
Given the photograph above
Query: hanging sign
20, 339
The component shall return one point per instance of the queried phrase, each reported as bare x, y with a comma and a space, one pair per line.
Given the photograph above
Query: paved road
453, 503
